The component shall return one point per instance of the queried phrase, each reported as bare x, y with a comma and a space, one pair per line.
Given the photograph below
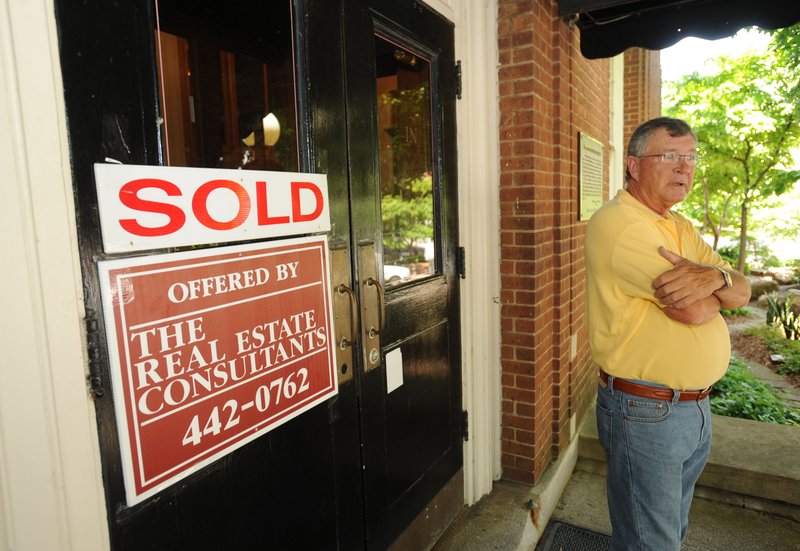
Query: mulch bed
750, 347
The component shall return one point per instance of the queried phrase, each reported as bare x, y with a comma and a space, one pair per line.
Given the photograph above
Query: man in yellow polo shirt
654, 293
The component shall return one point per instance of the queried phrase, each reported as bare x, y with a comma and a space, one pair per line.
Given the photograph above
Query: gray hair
637, 146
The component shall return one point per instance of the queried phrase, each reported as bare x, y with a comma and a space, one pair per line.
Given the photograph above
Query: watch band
727, 277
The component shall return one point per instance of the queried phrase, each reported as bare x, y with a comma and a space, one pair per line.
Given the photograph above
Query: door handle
372, 282
345, 342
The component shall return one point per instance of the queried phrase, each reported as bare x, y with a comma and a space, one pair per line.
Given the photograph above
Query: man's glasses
675, 157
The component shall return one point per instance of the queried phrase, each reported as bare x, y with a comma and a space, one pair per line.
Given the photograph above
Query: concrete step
753, 464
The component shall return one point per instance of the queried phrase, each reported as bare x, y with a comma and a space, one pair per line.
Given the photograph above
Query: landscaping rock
783, 276
793, 297
762, 286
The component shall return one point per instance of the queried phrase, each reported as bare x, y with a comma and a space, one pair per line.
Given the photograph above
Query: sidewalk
748, 498
712, 525
753, 468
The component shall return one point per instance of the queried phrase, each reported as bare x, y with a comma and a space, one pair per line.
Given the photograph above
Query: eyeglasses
674, 158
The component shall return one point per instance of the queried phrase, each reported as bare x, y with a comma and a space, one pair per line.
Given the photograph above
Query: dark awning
608, 27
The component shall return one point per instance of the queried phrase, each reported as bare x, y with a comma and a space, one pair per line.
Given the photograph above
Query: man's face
661, 184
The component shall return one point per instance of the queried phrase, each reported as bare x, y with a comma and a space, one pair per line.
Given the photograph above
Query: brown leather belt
653, 392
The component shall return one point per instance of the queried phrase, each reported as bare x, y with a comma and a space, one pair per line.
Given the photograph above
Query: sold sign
209, 349
153, 207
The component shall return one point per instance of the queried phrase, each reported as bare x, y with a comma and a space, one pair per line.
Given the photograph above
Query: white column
479, 213
51, 492
479, 222
617, 153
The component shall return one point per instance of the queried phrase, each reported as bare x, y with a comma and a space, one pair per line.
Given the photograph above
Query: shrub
744, 312
794, 263
772, 261
782, 314
739, 394
759, 255
730, 254
777, 344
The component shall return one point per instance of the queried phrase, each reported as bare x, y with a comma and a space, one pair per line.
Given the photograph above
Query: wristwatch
727, 277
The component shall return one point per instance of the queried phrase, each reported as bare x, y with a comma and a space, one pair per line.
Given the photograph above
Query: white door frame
51, 487
479, 214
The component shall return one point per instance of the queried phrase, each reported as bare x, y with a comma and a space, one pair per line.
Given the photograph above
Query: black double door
367, 97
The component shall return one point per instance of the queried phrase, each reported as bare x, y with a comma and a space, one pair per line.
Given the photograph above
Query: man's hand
686, 283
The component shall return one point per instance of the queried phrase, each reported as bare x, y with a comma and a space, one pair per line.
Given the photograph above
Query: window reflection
226, 72
406, 163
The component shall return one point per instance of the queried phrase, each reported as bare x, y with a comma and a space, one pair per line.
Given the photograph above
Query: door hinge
458, 79
465, 425
95, 377
461, 262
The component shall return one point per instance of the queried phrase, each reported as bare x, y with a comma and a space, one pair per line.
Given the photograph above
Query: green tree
406, 165
786, 46
715, 203
779, 221
747, 120
408, 213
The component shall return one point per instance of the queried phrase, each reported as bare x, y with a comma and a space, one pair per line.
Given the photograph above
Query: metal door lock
372, 305
345, 311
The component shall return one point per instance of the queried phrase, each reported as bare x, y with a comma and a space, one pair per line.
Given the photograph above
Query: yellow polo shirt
630, 336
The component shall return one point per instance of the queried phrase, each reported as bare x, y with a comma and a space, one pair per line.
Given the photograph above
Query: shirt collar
626, 198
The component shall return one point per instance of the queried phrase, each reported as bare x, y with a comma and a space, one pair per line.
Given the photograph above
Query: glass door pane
226, 76
403, 84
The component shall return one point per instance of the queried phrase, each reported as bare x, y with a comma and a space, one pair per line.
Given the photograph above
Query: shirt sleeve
705, 254
636, 261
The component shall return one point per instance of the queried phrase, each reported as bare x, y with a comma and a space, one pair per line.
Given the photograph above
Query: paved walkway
789, 393
727, 514
496, 522
712, 525
759, 316
503, 520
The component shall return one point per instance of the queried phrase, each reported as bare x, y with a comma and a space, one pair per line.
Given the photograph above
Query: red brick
549, 93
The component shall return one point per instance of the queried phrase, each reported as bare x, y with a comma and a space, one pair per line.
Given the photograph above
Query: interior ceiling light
272, 129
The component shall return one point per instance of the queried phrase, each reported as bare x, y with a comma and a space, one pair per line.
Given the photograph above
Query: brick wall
642, 88
548, 94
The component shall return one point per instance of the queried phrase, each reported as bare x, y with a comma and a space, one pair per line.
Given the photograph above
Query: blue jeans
656, 450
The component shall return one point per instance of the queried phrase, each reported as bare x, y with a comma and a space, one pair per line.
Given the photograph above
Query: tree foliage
747, 120
786, 46
406, 183
408, 213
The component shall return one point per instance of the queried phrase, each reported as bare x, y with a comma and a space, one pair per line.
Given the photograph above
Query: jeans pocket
604, 427
646, 411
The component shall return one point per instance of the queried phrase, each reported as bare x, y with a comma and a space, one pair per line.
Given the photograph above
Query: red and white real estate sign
155, 207
210, 349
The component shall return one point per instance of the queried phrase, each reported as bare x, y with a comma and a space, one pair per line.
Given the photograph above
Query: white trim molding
479, 214
617, 153
444, 7
51, 490
478, 114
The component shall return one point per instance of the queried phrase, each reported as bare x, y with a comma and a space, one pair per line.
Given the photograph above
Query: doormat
559, 536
